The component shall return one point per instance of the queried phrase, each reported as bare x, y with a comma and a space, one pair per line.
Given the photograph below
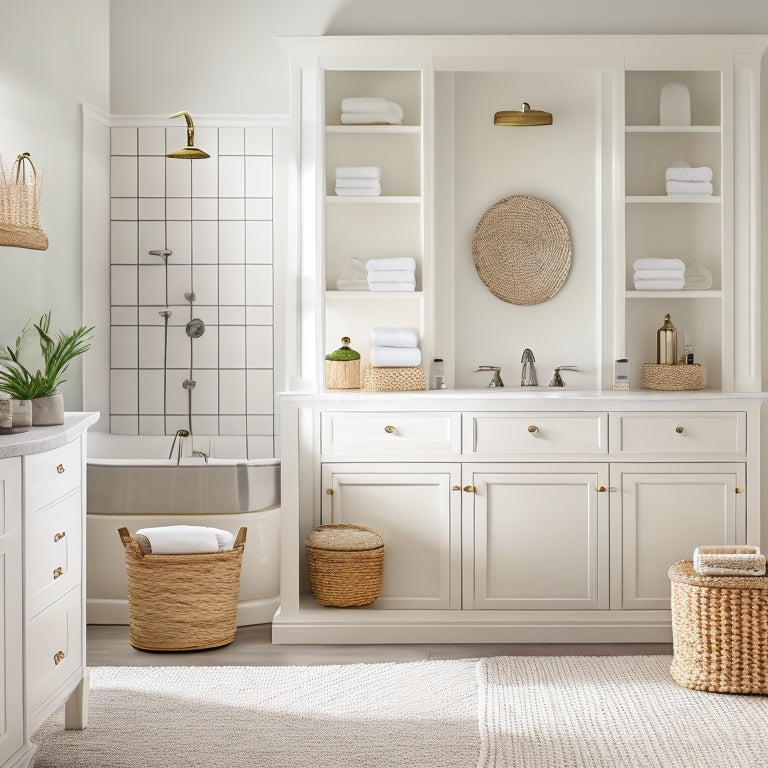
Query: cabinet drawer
500, 433
52, 562
50, 475
676, 433
54, 648
391, 432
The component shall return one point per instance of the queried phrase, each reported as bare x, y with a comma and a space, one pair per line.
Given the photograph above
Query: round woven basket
393, 379
346, 564
671, 378
522, 250
719, 631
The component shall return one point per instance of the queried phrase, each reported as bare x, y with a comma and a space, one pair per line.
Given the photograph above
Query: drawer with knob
52, 552
50, 475
678, 433
547, 433
390, 433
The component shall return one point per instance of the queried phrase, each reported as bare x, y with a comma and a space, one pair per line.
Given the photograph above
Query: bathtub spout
180, 435
200, 454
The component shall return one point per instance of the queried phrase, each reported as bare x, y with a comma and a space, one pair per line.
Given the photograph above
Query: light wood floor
109, 646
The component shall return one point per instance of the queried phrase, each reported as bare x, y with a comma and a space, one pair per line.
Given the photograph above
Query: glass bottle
437, 373
666, 343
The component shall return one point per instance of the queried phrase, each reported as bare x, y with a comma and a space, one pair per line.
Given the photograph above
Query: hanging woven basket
20, 189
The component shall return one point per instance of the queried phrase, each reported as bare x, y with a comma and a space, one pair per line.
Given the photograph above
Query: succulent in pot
57, 352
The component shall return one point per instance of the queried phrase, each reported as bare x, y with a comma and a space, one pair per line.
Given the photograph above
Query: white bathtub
149, 491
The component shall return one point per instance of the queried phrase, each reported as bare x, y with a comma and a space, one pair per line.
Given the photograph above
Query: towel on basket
395, 357
186, 539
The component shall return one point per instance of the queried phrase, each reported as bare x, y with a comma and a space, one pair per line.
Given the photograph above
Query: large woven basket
346, 564
719, 630
393, 378
671, 378
182, 602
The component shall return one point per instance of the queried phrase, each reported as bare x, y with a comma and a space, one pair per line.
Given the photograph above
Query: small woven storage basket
393, 379
672, 378
346, 564
342, 374
719, 631
182, 602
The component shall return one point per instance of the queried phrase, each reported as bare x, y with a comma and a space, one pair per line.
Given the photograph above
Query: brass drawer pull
58, 657
59, 536
58, 572
739, 489
389, 430
456, 488
329, 491
60, 469
601, 489
469, 488
679, 430
533, 428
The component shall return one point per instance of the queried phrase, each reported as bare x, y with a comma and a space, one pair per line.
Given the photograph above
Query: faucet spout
496, 380
528, 374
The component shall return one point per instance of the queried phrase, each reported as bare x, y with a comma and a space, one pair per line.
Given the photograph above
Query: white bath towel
409, 286
358, 172
680, 171
651, 263
359, 192
187, 539
395, 357
386, 264
383, 336
371, 118
370, 104
697, 277
689, 188
675, 284
357, 183
652, 274
391, 276
347, 284
674, 104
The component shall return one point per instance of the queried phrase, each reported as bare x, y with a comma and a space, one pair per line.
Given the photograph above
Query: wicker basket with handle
182, 602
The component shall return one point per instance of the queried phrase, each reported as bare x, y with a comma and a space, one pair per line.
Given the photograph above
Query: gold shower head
190, 152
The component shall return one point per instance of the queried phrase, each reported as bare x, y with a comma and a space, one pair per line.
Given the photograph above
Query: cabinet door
11, 727
664, 513
536, 536
417, 513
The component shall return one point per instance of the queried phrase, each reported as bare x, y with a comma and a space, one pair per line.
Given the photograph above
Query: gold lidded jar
666, 343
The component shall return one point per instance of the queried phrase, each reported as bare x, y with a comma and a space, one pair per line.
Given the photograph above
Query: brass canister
666, 343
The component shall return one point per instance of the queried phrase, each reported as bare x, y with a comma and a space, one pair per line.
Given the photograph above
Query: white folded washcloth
392, 263
357, 183
384, 336
371, 118
359, 191
652, 263
187, 539
391, 276
405, 286
358, 172
350, 284
680, 171
652, 274
689, 187
395, 357
675, 284
370, 104
697, 278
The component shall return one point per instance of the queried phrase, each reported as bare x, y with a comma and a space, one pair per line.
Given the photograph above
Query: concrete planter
48, 411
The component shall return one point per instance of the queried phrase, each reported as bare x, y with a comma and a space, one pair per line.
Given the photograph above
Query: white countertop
39, 439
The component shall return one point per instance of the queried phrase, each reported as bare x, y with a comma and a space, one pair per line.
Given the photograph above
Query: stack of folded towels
370, 110
682, 179
391, 274
353, 277
697, 277
659, 275
358, 180
726, 560
184, 539
395, 347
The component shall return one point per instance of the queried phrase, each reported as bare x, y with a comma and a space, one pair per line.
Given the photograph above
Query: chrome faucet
200, 454
557, 379
496, 380
528, 375
180, 435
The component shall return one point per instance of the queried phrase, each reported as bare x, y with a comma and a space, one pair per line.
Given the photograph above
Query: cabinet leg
76, 708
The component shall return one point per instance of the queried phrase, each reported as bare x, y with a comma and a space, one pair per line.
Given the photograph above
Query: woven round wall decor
522, 250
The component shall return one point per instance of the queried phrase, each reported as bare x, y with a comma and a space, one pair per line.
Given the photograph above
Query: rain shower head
190, 152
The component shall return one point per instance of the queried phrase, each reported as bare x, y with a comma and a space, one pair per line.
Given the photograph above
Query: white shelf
673, 199
372, 199
672, 128
709, 294
374, 129
368, 295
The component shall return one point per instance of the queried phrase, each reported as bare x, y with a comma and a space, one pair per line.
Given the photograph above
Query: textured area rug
610, 712
419, 714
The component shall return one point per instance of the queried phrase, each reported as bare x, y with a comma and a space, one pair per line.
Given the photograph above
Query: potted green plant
57, 351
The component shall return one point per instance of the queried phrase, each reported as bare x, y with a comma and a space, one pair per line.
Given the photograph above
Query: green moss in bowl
344, 354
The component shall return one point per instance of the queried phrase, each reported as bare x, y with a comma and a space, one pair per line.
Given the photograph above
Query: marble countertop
39, 439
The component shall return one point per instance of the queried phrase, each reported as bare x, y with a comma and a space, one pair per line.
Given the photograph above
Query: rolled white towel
651, 274
396, 336
351, 284
187, 539
395, 357
371, 118
358, 172
392, 276
359, 192
409, 286
357, 183
370, 104
392, 263
689, 187
653, 263
676, 284
680, 171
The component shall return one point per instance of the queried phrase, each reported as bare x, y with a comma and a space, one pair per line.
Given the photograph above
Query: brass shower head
190, 152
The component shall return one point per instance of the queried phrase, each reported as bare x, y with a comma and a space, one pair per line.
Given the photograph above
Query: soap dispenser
666, 343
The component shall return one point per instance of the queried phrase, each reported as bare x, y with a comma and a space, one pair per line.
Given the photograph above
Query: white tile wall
216, 217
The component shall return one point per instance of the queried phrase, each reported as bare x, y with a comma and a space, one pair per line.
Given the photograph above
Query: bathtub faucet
200, 454
180, 435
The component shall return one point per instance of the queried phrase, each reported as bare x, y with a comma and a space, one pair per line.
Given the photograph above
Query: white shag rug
500, 712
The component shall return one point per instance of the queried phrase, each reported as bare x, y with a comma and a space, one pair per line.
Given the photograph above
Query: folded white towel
651, 274
689, 187
675, 284
392, 276
395, 357
680, 171
392, 263
357, 183
358, 172
371, 118
350, 284
409, 286
384, 336
652, 263
187, 539
675, 104
359, 192
697, 278
370, 104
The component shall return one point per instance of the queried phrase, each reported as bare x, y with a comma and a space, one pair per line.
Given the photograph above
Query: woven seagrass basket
393, 379
342, 374
719, 631
346, 564
182, 602
670, 378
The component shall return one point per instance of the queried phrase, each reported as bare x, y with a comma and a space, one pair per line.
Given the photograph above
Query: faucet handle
557, 379
496, 380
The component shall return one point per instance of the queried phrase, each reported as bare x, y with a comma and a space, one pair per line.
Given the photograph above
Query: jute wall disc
522, 250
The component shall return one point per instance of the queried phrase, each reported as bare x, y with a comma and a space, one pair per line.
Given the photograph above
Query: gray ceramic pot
22, 413
47, 411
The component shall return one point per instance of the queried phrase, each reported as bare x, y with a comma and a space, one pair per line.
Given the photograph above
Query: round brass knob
679, 430
469, 488
389, 430
601, 489
456, 488
533, 428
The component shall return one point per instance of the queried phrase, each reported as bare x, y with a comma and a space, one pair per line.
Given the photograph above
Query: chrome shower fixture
189, 384
190, 152
190, 297
164, 253
166, 313
195, 328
